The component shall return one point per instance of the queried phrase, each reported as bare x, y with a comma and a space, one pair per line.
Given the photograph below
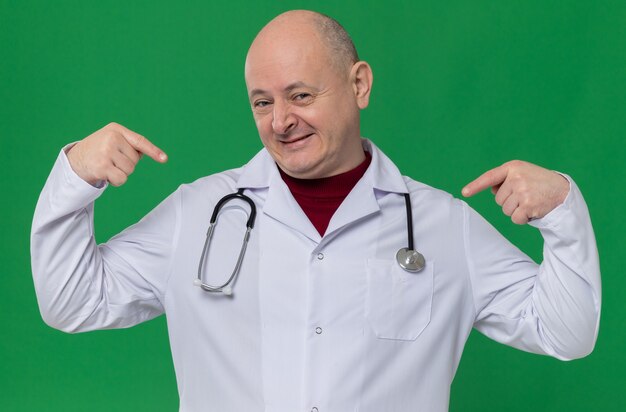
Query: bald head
336, 38
311, 26
306, 88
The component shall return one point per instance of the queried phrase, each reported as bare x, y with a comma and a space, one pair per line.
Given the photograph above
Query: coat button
320, 256
318, 330
314, 409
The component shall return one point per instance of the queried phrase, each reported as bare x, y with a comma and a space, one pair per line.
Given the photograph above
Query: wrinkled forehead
285, 56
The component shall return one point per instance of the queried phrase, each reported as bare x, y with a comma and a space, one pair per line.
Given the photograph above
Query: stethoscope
226, 288
408, 258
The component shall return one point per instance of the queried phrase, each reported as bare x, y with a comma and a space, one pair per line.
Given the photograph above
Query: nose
283, 120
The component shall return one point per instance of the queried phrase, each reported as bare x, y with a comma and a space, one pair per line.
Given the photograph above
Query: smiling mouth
298, 139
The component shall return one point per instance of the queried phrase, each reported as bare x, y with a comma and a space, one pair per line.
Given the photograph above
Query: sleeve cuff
66, 190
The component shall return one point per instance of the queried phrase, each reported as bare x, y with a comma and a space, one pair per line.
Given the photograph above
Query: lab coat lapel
382, 175
281, 205
359, 203
262, 172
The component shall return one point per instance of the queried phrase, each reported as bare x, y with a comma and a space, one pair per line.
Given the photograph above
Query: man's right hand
111, 154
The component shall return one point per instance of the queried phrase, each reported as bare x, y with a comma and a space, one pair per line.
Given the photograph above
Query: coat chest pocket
398, 302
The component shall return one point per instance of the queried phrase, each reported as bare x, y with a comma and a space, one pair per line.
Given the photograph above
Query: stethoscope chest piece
410, 260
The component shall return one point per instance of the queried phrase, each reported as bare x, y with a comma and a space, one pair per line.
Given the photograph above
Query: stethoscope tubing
408, 258
409, 220
237, 195
225, 287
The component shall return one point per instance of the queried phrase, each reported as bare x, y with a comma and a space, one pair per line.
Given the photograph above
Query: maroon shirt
320, 198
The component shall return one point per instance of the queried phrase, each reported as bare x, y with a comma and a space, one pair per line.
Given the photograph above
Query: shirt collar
382, 173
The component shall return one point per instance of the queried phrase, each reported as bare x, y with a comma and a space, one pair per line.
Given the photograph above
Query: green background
460, 87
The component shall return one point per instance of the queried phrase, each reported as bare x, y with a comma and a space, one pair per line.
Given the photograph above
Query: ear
361, 78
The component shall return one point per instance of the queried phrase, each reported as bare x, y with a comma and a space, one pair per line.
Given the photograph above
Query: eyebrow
289, 88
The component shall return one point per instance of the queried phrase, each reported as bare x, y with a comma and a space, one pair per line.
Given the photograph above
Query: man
321, 315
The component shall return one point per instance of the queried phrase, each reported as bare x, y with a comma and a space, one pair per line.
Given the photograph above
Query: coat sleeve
552, 308
82, 286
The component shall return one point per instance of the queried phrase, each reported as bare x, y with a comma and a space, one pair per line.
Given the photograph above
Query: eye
261, 103
302, 98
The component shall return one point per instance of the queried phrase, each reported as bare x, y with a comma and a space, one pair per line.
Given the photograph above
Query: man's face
304, 106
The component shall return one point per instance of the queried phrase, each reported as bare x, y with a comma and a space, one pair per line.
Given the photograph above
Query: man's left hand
524, 190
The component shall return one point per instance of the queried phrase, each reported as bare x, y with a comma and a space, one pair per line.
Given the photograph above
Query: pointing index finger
490, 178
143, 145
